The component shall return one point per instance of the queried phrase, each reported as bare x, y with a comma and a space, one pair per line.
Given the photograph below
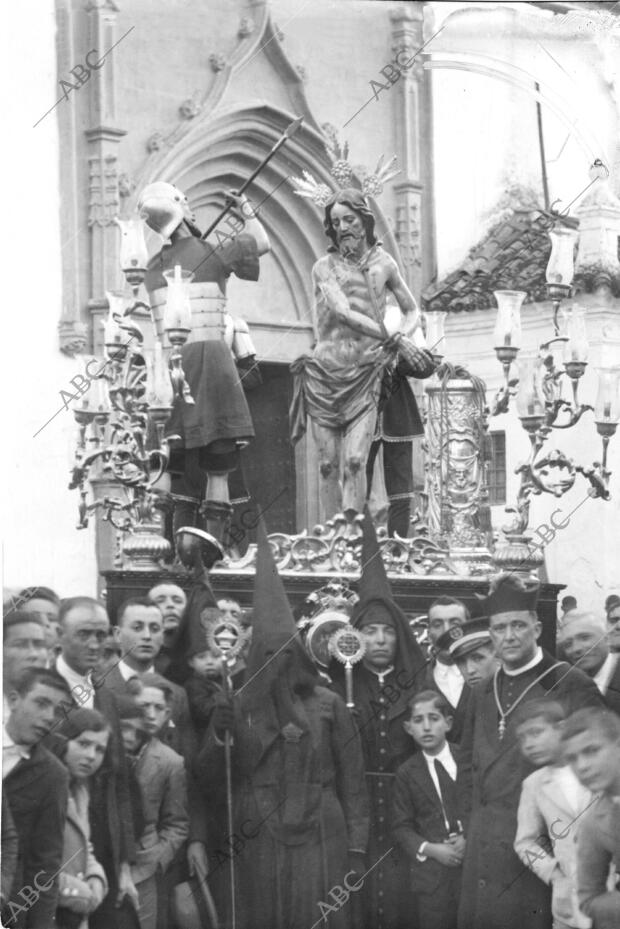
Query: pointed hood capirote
274, 632
374, 588
377, 605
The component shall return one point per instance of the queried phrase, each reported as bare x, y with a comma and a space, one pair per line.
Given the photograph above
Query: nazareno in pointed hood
377, 605
274, 632
275, 728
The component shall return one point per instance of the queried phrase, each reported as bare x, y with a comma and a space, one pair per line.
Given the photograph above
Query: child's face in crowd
478, 664
428, 727
132, 732
540, 741
207, 664
156, 710
85, 753
595, 759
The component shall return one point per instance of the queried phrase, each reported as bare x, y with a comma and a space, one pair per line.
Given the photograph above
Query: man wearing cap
497, 890
471, 649
383, 683
582, 640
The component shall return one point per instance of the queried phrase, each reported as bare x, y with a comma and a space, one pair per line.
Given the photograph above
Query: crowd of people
150, 781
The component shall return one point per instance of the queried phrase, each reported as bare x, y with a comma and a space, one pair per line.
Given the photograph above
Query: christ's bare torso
337, 341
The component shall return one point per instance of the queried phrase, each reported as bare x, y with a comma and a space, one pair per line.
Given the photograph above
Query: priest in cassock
383, 683
299, 797
498, 891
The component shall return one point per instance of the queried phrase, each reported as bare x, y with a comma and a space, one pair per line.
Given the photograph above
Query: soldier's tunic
218, 424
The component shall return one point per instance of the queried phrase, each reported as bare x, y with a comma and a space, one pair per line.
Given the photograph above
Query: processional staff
290, 130
228, 637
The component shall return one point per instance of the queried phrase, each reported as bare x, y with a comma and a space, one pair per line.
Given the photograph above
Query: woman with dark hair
81, 745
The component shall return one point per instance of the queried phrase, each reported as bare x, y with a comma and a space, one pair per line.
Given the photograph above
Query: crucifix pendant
502, 728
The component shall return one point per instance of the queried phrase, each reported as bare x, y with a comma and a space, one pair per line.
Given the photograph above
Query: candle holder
507, 342
561, 264
542, 408
122, 419
134, 255
178, 325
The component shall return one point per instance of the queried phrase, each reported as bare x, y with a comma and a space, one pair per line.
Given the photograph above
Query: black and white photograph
311, 495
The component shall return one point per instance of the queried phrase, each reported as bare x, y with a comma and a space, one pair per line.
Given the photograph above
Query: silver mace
290, 131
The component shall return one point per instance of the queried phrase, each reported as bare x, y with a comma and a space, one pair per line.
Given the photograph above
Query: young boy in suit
429, 810
591, 741
550, 810
160, 773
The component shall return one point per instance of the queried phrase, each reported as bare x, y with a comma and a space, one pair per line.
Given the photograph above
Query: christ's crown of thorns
345, 174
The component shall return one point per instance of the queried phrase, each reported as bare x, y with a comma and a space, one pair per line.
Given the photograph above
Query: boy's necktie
448, 797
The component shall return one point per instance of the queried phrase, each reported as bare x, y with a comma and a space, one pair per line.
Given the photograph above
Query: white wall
485, 127
40, 542
486, 136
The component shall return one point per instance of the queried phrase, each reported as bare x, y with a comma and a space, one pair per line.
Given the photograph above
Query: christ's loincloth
334, 395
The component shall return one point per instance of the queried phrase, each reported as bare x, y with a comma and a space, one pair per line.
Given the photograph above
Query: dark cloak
298, 784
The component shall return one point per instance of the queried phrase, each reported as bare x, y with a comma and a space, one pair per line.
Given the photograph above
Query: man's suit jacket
417, 816
612, 691
37, 793
598, 846
428, 682
161, 775
180, 735
545, 811
8, 863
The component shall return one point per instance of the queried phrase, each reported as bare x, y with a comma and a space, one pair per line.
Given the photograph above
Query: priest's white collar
526, 667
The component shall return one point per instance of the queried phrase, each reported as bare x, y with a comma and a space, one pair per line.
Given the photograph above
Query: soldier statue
218, 359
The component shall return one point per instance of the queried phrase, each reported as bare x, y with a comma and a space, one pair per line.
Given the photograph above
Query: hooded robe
381, 707
299, 795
